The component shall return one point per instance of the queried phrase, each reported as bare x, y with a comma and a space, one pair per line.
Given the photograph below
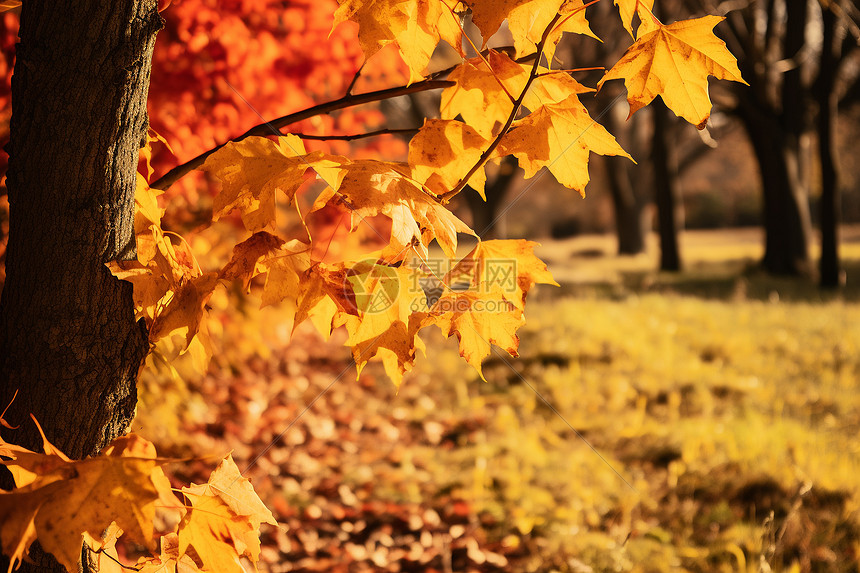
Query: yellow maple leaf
59, 500
147, 220
252, 171
442, 153
368, 188
169, 559
629, 8
528, 21
323, 294
284, 267
483, 297
674, 62
388, 300
506, 266
479, 99
559, 137
223, 522
416, 26
185, 309
478, 320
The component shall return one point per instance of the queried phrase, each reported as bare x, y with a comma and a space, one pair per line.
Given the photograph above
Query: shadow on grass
739, 279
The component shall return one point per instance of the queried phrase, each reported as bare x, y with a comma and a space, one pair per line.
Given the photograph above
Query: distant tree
788, 86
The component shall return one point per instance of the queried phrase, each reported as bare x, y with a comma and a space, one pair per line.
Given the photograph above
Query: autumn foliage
495, 103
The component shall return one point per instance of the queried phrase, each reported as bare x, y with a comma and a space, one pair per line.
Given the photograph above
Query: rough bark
667, 189
70, 345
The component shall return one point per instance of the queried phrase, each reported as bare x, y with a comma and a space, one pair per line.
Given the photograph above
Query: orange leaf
246, 255
479, 320
387, 299
368, 188
483, 104
58, 500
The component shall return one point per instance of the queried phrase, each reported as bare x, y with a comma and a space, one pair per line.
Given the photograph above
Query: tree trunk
780, 143
827, 115
786, 206
71, 347
628, 200
667, 188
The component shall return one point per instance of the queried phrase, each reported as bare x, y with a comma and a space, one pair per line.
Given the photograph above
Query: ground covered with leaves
701, 422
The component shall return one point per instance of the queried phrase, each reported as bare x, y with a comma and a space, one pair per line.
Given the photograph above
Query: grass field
706, 421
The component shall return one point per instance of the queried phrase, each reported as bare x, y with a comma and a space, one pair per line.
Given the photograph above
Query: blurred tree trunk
827, 116
628, 199
70, 345
487, 221
667, 188
769, 39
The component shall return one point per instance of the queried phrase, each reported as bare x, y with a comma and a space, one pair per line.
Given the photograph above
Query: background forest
685, 400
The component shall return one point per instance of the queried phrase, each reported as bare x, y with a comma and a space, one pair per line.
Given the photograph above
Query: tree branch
262, 129
348, 100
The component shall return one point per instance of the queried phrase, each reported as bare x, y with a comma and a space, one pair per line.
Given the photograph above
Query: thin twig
355, 79
355, 136
265, 128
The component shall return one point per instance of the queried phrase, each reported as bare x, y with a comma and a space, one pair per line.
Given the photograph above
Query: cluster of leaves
63, 502
496, 104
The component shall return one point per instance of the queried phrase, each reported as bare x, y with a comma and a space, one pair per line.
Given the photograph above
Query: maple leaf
370, 187
185, 309
389, 302
243, 263
497, 276
252, 171
322, 295
9, 4
59, 500
223, 521
479, 99
506, 266
284, 267
415, 25
629, 8
528, 21
674, 62
443, 152
147, 220
169, 559
559, 137
478, 320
